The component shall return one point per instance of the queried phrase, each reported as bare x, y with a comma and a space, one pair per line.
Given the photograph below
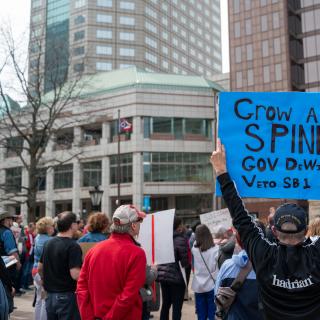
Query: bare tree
25, 132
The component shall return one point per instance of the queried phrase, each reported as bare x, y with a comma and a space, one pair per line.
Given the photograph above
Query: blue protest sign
272, 141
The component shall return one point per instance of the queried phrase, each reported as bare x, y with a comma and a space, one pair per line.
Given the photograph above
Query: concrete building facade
89, 36
166, 156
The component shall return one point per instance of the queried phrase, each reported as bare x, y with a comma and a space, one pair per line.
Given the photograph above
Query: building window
79, 3
36, 18
248, 27
278, 72
151, 13
151, 42
165, 35
175, 55
266, 74
125, 65
239, 79
265, 48
264, 23
263, 3
79, 19
275, 20
91, 174
14, 146
78, 51
63, 176
150, 57
79, 35
165, 64
247, 5
151, 27
128, 21
126, 36
250, 77
237, 27
41, 179
36, 4
104, 3
126, 52
249, 49
125, 168
104, 34
13, 180
104, 18
238, 54
78, 67
103, 66
276, 46
126, 5
170, 166
104, 50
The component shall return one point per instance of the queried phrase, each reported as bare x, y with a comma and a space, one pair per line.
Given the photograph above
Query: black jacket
288, 276
170, 272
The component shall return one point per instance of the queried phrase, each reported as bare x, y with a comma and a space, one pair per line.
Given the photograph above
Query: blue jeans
205, 305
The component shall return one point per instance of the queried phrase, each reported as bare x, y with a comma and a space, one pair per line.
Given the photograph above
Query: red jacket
111, 276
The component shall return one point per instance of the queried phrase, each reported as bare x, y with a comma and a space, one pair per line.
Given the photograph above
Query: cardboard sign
86, 246
272, 141
156, 237
215, 219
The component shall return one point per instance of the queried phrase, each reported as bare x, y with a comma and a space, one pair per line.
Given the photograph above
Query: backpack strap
214, 282
241, 277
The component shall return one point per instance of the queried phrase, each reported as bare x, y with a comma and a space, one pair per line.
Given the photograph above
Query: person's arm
182, 248
74, 273
136, 277
75, 261
83, 294
151, 274
10, 246
251, 237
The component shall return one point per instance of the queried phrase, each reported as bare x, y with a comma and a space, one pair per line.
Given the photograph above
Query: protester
59, 268
288, 273
114, 271
98, 224
205, 255
151, 292
8, 246
314, 229
6, 292
245, 305
170, 275
45, 229
26, 278
226, 247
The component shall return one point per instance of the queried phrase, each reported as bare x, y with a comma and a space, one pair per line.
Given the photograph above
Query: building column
105, 178
76, 186
105, 133
51, 143
77, 136
49, 193
137, 183
137, 132
24, 183
2, 182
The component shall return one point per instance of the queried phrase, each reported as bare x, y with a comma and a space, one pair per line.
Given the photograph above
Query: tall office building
274, 45
174, 36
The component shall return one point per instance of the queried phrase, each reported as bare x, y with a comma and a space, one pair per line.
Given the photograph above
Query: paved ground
24, 309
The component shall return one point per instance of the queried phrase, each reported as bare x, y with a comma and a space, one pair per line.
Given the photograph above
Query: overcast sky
17, 13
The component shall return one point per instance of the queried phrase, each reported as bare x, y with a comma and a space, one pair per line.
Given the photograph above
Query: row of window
269, 73
158, 166
248, 30
247, 4
268, 47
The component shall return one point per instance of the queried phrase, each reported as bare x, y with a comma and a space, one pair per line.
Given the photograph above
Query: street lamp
95, 195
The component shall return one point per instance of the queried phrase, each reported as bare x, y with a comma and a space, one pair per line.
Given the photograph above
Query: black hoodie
288, 276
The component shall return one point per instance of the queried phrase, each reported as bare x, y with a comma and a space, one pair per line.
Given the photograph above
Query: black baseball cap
290, 212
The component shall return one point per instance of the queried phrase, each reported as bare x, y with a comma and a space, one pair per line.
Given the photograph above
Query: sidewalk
25, 310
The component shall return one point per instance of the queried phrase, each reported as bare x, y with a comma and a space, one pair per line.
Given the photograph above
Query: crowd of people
248, 271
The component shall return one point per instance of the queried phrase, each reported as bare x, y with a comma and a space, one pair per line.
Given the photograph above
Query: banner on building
272, 141
216, 219
156, 237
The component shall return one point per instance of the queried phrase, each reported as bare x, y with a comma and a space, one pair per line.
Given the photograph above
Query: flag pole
118, 162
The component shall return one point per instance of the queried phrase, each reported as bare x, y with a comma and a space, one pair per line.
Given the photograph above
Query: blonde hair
314, 227
43, 224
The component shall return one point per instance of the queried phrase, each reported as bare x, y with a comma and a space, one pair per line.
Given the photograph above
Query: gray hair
124, 228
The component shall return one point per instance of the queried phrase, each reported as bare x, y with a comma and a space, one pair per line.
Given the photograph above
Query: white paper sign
215, 219
156, 237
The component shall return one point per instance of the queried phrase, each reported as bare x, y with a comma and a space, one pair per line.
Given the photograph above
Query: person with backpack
205, 254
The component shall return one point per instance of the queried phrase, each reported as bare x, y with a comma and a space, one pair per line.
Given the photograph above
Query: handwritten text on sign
273, 143
215, 219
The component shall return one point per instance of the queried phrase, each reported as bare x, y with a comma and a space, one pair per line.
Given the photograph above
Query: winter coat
171, 272
110, 279
245, 305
